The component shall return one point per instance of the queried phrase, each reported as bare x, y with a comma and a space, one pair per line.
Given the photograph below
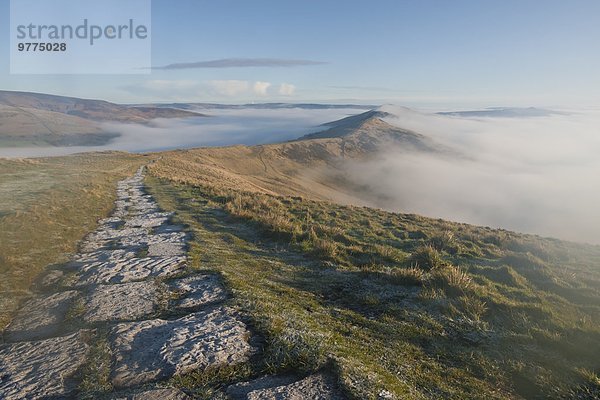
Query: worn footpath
130, 283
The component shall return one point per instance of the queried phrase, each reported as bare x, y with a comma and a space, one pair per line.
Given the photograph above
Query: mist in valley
222, 127
536, 175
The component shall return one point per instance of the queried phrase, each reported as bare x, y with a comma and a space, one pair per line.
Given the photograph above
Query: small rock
198, 290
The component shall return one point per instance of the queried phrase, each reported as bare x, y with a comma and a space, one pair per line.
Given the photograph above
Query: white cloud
261, 88
287, 89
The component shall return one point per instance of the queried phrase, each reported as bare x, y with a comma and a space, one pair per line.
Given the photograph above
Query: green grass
46, 206
415, 306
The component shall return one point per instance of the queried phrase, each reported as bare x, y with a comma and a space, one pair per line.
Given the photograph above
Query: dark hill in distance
35, 119
503, 112
97, 110
262, 106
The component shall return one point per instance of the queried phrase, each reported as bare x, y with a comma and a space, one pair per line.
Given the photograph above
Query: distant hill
502, 112
310, 164
46, 120
262, 106
369, 132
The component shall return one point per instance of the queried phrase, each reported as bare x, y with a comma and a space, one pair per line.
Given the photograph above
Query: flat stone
52, 279
112, 240
167, 228
111, 234
124, 302
156, 394
166, 249
146, 240
317, 387
159, 349
102, 256
150, 220
114, 222
198, 290
42, 369
110, 221
129, 270
40, 317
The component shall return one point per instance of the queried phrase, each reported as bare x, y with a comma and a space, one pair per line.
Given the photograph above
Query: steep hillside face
368, 132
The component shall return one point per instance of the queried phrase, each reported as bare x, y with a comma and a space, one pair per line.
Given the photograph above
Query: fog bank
222, 127
537, 175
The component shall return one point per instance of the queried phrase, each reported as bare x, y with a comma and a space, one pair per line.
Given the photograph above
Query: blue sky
444, 54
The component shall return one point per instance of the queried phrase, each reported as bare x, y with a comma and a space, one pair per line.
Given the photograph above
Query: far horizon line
351, 103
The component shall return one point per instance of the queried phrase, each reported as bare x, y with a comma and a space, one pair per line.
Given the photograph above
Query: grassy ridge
46, 207
416, 306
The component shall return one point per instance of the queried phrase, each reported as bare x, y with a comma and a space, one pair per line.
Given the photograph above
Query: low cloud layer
223, 127
537, 175
243, 63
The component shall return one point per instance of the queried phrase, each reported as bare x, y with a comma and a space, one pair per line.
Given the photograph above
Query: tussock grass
419, 307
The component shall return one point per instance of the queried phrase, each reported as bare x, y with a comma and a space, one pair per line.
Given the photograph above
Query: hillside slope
399, 304
309, 166
40, 119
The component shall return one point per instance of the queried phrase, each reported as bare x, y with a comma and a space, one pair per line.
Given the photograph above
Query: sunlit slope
305, 167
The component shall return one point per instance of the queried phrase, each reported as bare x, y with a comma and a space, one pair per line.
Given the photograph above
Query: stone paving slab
198, 290
157, 394
112, 234
314, 387
151, 220
101, 256
123, 302
168, 228
146, 240
129, 270
159, 349
42, 369
166, 249
40, 317
51, 280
